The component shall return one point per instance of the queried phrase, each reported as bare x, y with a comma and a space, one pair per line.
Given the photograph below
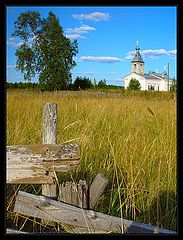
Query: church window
135, 67
151, 87
140, 67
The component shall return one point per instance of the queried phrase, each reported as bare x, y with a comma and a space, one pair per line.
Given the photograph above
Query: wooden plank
49, 190
68, 186
48, 209
49, 137
31, 164
49, 123
13, 231
61, 192
96, 189
74, 194
83, 194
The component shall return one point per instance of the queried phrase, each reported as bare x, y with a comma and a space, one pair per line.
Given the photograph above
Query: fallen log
95, 222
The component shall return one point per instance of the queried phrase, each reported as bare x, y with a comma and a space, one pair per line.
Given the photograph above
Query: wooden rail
32, 164
85, 220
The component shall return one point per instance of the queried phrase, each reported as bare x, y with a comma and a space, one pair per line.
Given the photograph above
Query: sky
107, 38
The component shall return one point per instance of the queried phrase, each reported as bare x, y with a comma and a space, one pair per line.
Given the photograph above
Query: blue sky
107, 39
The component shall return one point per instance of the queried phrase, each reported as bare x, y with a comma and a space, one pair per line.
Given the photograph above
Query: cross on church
137, 43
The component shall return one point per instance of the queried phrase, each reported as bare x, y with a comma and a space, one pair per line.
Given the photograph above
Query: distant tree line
83, 83
21, 85
80, 83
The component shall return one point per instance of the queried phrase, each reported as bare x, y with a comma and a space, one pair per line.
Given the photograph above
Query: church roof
150, 77
137, 57
160, 75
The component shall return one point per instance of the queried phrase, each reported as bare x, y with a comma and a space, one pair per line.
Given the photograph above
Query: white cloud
173, 52
96, 73
89, 73
14, 44
75, 33
94, 17
17, 44
153, 53
86, 73
100, 59
9, 42
74, 36
11, 66
111, 73
82, 29
11, 39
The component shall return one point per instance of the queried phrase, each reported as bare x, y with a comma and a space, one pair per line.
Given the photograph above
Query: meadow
130, 137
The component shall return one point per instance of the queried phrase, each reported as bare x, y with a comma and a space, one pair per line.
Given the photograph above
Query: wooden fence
67, 202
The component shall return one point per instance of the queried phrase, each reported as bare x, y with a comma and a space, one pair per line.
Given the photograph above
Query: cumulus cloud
11, 66
11, 42
82, 29
100, 59
86, 73
173, 52
11, 39
18, 44
94, 17
96, 73
111, 73
153, 53
74, 36
75, 33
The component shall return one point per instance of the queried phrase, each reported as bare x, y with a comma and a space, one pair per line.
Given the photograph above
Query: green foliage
134, 84
82, 83
21, 85
102, 83
173, 87
25, 61
51, 54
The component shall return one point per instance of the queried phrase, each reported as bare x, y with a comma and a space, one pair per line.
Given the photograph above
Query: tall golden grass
130, 138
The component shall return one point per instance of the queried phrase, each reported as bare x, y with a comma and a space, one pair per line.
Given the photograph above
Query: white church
151, 81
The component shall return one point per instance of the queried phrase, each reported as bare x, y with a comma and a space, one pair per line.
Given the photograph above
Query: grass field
129, 137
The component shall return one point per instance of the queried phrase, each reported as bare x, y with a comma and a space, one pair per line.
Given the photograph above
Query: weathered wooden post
49, 137
96, 189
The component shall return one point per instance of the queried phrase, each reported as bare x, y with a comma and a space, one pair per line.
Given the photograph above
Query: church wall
159, 85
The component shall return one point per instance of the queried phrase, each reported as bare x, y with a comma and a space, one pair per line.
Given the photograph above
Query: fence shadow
163, 211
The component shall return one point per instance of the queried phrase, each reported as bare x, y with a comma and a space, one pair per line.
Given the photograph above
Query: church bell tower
137, 64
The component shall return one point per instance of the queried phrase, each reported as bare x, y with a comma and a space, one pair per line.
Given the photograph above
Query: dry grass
130, 139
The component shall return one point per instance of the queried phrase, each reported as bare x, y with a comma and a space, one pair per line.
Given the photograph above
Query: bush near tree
134, 84
82, 83
173, 87
102, 84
